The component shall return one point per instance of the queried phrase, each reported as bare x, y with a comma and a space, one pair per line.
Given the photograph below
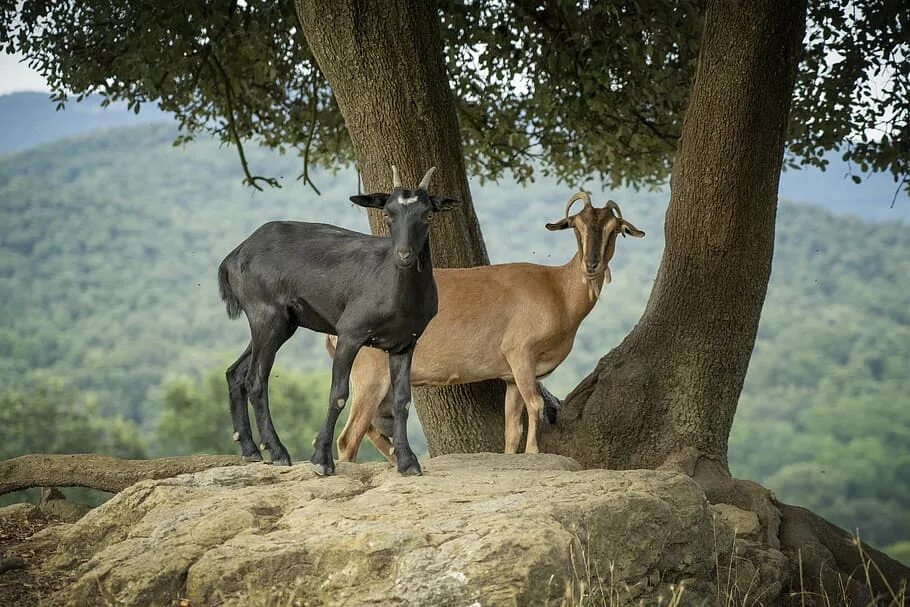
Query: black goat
367, 290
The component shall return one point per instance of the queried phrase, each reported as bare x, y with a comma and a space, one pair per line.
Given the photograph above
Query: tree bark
670, 389
100, 472
384, 61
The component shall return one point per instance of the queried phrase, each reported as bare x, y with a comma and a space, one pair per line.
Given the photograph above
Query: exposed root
825, 560
832, 561
99, 471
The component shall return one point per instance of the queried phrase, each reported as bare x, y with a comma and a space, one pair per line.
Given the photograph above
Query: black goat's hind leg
268, 336
240, 415
345, 352
400, 370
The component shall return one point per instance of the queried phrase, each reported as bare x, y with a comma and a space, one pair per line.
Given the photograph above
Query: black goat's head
408, 214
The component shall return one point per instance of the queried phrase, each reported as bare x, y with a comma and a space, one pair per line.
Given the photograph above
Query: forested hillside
108, 257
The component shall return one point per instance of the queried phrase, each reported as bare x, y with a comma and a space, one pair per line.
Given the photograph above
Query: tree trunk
669, 391
384, 61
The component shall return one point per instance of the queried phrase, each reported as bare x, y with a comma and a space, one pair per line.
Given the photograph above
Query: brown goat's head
596, 230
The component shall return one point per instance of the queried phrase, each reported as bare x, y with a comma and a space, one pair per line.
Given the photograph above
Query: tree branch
305, 176
100, 472
232, 128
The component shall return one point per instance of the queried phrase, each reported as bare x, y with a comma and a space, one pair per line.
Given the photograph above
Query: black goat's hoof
411, 470
284, 460
253, 457
322, 469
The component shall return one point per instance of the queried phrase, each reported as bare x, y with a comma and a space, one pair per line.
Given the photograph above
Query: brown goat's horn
614, 208
396, 179
425, 182
575, 198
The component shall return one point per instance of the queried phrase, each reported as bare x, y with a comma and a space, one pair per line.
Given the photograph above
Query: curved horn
425, 182
614, 208
396, 179
575, 198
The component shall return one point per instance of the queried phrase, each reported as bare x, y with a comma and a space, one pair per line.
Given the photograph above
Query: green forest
113, 338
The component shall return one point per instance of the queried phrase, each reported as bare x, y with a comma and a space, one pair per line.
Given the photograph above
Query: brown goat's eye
429, 217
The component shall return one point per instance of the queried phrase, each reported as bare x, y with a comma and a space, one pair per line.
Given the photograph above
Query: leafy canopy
573, 88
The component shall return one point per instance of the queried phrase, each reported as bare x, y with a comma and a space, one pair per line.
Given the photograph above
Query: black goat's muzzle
405, 258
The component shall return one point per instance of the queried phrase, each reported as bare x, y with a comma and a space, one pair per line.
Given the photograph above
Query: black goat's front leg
345, 352
400, 369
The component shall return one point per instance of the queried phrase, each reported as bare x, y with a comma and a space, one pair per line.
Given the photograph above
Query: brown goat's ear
443, 204
562, 224
629, 230
376, 201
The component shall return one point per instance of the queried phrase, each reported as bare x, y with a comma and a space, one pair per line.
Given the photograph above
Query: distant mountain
27, 119
834, 190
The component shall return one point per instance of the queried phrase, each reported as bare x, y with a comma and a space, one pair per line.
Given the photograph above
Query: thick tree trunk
669, 390
384, 61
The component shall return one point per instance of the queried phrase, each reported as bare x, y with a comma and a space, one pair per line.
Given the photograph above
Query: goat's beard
596, 283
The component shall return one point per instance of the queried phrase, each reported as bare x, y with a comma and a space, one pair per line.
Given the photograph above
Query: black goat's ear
562, 224
443, 204
376, 201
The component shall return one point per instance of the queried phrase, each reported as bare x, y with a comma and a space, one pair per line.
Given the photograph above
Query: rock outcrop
479, 529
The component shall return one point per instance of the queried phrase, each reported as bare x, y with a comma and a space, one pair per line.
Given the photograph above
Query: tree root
100, 472
828, 564
832, 562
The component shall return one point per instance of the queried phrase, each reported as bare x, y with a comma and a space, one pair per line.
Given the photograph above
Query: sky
16, 76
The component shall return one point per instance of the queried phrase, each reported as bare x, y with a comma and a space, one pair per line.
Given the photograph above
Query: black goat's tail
227, 296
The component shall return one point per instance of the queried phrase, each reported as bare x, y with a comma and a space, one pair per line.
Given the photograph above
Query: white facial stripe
405, 201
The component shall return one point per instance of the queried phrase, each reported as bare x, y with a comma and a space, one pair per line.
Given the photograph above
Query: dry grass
587, 587
840, 595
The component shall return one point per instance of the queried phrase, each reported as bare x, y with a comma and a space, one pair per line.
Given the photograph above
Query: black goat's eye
429, 217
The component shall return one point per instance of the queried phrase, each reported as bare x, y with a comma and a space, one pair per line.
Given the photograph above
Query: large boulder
481, 529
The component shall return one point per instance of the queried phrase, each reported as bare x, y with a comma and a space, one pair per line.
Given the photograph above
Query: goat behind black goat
367, 290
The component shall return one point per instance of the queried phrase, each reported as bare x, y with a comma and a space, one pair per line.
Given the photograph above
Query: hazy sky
15, 76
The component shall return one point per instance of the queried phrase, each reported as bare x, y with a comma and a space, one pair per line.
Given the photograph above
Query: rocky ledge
481, 529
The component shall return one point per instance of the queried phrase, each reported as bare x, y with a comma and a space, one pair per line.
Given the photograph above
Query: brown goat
515, 322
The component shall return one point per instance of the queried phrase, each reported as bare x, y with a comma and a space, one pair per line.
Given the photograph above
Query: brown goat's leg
350, 436
369, 386
382, 444
357, 426
527, 384
514, 407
